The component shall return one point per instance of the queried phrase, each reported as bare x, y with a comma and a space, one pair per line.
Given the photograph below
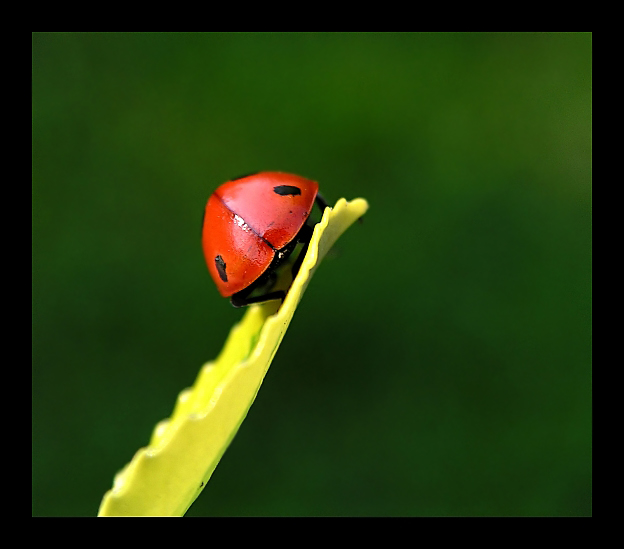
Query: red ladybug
251, 226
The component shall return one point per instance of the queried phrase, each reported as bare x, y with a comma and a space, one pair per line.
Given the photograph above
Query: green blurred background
440, 361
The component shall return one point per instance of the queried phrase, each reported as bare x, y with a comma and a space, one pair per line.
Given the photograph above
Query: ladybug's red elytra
251, 226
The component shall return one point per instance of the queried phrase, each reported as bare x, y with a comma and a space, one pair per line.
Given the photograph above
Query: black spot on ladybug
221, 268
286, 190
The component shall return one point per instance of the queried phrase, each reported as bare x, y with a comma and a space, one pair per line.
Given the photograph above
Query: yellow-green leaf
167, 476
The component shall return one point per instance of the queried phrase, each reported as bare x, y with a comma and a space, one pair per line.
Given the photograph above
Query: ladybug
251, 226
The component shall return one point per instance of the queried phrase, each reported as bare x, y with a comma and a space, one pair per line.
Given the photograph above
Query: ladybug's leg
321, 202
305, 235
240, 299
